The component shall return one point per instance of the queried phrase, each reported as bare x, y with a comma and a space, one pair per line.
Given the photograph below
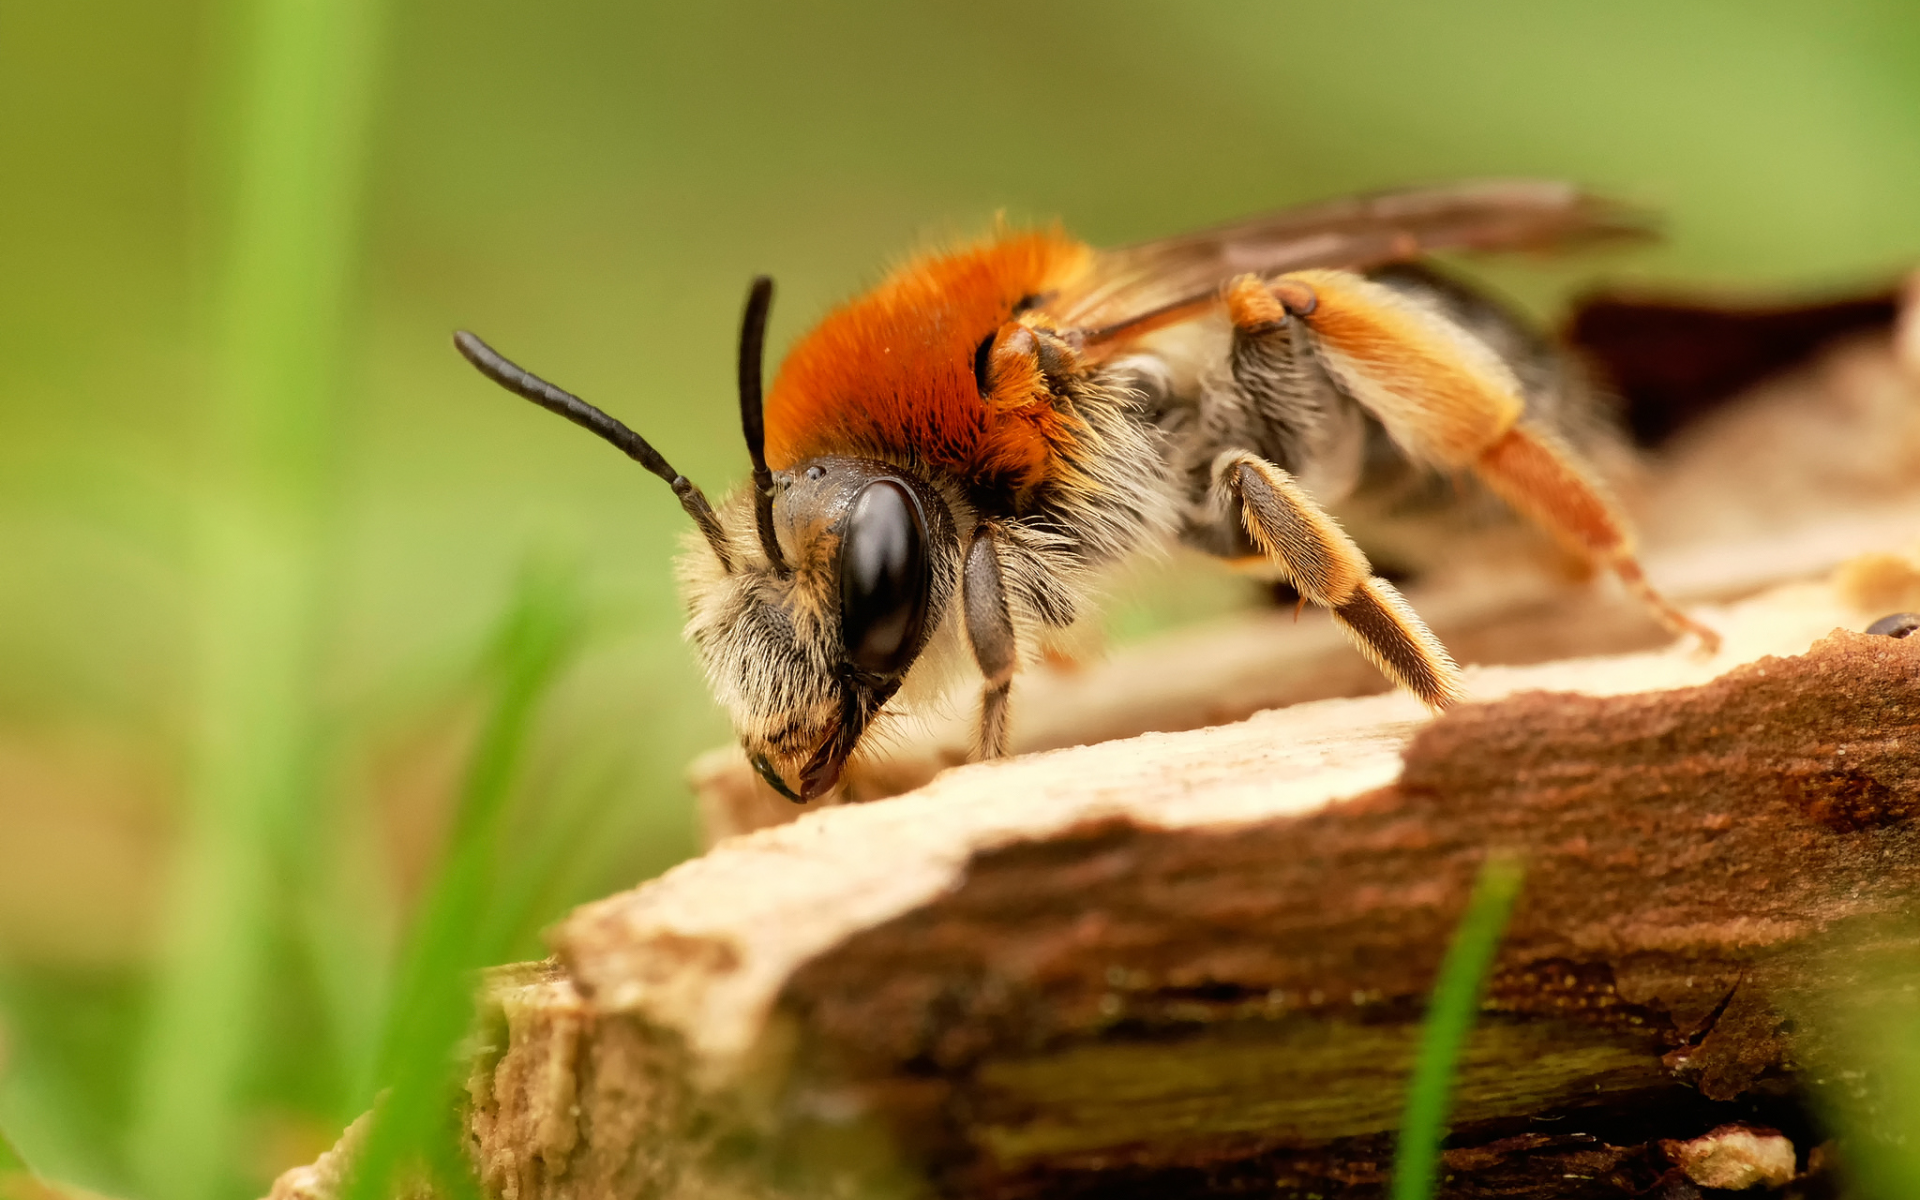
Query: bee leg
989, 622
1450, 401
1539, 477
1324, 566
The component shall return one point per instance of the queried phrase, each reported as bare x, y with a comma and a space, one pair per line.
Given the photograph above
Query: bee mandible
948, 463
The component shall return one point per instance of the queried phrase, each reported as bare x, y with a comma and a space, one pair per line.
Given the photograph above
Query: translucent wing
1132, 290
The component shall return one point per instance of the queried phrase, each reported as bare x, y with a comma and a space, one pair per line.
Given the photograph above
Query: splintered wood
1187, 961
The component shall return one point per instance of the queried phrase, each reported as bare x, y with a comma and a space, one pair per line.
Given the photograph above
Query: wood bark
1196, 962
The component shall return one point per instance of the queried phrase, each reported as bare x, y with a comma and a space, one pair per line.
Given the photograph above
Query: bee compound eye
884, 579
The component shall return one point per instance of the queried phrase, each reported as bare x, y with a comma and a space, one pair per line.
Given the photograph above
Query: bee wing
1131, 290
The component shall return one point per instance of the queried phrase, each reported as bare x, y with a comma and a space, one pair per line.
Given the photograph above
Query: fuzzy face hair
773, 644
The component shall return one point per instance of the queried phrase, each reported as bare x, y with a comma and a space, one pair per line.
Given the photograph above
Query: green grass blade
1450, 1018
303, 92
433, 1001
578, 819
1877, 1147
1861, 1071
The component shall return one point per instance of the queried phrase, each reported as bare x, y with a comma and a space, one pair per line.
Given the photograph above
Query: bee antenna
753, 341
522, 382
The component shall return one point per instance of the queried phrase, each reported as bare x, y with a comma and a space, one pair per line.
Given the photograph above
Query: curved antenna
522, 382
753, 340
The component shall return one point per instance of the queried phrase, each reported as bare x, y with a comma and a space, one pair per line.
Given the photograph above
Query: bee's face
802, 661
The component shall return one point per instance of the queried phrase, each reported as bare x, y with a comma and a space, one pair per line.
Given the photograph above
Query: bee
945, 466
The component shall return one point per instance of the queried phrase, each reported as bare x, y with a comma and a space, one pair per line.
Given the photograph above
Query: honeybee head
807, 614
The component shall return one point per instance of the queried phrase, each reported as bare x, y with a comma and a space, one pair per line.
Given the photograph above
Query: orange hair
891, 373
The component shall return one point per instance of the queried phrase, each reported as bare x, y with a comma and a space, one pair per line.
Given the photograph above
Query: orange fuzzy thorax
891, 373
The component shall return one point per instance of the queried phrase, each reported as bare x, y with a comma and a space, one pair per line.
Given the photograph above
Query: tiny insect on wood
947, 464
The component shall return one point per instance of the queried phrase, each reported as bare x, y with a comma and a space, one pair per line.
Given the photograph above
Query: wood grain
1151, 966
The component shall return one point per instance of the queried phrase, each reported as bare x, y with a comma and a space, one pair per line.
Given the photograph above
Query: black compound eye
884, 579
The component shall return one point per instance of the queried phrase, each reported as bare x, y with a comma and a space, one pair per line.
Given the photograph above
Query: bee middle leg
1321, 562
989, 622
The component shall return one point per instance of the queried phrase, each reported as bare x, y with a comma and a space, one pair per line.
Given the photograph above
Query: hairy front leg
1321, 562
989, 622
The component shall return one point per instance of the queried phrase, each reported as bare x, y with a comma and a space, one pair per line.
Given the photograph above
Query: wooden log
1196, 962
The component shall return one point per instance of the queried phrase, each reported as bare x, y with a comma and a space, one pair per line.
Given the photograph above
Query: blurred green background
590, 184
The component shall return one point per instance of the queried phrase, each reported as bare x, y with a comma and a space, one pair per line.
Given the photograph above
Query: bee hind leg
1321, 562
1532, 472
1448, 400
989, 623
